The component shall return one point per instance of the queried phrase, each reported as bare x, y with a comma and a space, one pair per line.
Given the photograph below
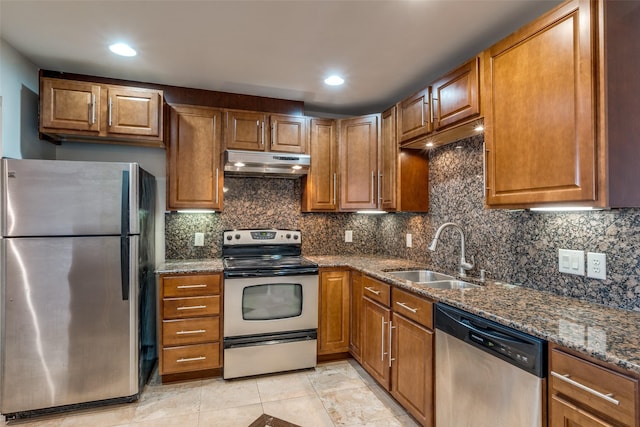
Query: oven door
264, 305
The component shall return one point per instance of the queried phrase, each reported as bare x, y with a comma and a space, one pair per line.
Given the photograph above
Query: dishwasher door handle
490, 333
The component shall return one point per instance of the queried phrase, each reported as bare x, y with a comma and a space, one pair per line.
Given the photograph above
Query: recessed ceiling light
334, 80
122, 49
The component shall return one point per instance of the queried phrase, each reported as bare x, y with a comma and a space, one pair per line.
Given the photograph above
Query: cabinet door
375, 341
540, 114
69, 105
245, 131
333, 328
321, 188
134, 112
456, 96
355, 340
193, 157
358, 162
289, 134
412, 368
388, 176
565, 414
414, 116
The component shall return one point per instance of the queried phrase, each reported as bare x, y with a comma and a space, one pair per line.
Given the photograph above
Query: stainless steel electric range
270, 303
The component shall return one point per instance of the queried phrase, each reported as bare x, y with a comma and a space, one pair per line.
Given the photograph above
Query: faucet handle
468, 265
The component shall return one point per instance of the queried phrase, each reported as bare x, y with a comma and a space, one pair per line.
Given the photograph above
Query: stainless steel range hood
267, 164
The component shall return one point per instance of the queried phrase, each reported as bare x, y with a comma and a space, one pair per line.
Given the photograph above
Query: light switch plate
348, 236
571, 262
199, 239
597, 265
409, 240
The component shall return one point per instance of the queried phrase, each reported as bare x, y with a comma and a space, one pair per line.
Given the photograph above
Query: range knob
288, 236
229, 237
295, 237
237, 236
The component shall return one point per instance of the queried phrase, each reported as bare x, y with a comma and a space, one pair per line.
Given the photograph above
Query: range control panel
261, 237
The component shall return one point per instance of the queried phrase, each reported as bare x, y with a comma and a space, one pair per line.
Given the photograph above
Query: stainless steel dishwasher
487, 374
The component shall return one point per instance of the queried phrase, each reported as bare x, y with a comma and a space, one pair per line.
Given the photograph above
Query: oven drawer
376, 290
190, 358
191, 286
181, 308
190, 331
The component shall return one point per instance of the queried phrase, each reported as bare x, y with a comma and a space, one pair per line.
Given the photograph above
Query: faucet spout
464, 265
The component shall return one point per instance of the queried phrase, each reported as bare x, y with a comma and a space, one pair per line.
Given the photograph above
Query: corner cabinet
359, 172
195, 176
190, 325
255, 131
560, 97
334, 312
91, 112
320, 186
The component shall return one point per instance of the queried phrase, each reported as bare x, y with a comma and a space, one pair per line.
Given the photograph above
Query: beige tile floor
334, 394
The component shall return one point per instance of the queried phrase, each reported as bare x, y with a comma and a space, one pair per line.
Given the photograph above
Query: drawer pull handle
191, 307
608, 397
197, 331
191, 359
373, 291
191, 286
403, 305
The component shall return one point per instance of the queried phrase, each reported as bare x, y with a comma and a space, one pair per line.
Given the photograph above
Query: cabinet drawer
181, 308
190, 331
569, 373
190, 358
413, 307
376, 290
191, 286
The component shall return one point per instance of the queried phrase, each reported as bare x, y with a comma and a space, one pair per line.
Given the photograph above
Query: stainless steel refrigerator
77, 302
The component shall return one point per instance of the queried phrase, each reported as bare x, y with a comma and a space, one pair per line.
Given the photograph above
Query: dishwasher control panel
522, 350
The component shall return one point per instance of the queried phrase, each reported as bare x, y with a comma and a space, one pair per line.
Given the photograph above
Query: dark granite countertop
608, 334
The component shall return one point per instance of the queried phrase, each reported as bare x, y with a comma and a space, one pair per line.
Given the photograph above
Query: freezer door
68, 336
65, 198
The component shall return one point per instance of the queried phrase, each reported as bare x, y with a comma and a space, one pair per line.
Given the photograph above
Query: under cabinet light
371, 212
296, 167
564, 208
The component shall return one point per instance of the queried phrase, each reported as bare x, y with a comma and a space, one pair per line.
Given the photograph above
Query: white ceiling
386, 49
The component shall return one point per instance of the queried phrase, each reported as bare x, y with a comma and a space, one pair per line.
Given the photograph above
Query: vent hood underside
266, 164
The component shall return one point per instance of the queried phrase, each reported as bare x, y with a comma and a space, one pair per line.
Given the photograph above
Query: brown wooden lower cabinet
375, 341
588, 393
333, 324
190, 325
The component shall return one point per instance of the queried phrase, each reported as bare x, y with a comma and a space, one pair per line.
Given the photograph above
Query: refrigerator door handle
124, 236
124, 266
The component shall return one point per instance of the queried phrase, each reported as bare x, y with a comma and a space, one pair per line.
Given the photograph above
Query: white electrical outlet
409, 240
571, 262
348, 236
199, 239
597, 265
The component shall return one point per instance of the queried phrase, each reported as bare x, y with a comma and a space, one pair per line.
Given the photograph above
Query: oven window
272, 301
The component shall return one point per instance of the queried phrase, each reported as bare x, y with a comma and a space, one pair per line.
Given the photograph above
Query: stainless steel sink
420, 276
449, 284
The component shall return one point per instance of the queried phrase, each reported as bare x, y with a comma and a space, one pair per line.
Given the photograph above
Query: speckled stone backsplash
268, 203
515, 246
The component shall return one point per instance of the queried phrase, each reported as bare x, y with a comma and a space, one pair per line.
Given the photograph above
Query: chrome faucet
464, 265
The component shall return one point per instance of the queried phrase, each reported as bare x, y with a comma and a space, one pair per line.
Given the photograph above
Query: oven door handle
270, 339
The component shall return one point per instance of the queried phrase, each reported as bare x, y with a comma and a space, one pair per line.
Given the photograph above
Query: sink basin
420, 276
449, 284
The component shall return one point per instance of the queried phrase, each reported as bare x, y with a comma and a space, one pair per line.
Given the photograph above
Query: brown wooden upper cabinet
195, 175
320, 186
255, 131
358, 152
91, 112
452, 100
560, 99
